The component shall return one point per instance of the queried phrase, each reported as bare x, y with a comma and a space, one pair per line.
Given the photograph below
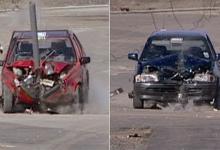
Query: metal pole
33, 22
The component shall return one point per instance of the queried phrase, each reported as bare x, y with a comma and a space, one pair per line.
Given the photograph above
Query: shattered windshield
163, 46
51, 49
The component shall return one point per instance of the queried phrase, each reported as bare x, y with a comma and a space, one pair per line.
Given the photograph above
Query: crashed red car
62, 77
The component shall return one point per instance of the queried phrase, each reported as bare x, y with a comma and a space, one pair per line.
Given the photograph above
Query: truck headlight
204, 77
146, 77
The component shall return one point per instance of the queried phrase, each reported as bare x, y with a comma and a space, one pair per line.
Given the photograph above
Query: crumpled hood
188, 63
23, 64
58, 66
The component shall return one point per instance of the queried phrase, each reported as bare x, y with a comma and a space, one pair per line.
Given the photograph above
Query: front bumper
56, 95
168, 92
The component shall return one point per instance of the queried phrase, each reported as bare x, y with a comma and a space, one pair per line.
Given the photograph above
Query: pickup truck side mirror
85, 60
133, 56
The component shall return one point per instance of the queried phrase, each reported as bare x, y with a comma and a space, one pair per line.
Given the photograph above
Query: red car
62, 77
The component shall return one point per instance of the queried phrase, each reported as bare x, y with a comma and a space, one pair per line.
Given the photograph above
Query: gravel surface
161, 4
12, 4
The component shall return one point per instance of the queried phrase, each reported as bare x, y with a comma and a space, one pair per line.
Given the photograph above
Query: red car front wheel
7, 100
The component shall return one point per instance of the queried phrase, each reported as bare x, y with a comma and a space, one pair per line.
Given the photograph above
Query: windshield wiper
49, 54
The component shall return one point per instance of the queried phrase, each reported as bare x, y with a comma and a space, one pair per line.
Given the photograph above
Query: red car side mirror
85, 60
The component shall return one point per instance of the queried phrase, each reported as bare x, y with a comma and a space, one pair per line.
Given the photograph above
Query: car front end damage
175, 92
189, 79
175, 78
176, 66
52, 87
60, 78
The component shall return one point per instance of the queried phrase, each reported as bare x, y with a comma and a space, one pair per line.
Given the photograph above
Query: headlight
49, 69
62, 75
146, 78
204, 77
17, 71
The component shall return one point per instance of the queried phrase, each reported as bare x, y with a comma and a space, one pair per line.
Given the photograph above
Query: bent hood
177, 64
58, 66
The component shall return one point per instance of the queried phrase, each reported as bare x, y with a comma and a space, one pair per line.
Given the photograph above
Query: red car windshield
51, 49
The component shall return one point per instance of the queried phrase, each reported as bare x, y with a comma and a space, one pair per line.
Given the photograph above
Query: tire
85, 88
83, 97
138, 103
85, 93
217, 98
7, 100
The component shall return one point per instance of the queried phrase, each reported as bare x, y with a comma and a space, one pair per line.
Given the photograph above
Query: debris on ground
28, 111
214, 109
133, 135
116, 92
50, 111
125, 9
131, 138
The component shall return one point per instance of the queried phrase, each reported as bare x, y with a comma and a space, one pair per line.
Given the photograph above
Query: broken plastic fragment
116, 92
133, 135
28, 111
17, 83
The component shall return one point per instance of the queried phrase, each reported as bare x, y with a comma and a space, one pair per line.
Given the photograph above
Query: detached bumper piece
171, 92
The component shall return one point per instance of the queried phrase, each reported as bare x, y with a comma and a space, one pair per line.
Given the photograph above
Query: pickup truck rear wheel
138, 103
7, 100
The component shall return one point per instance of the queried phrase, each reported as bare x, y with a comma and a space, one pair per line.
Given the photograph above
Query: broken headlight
48, 69
204, 77
62, 75
17, 71
146, 77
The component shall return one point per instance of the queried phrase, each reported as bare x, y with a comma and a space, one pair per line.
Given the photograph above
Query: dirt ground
12, 4
192, 128
161, 4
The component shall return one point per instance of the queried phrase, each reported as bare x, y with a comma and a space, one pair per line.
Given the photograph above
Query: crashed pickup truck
61, 79
176, 66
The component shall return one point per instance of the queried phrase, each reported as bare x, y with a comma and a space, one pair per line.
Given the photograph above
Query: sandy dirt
193, 128
18, 4
161, 4
56, 132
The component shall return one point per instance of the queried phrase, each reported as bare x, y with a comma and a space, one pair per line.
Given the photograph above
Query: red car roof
49, 34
